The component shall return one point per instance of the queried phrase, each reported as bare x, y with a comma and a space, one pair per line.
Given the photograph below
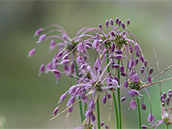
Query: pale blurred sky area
26, 100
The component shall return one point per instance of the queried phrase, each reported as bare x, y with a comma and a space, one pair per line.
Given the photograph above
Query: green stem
139, 114
166, 126
119, 102
85, 108
114, 97
80, 103
98, 114
116, 110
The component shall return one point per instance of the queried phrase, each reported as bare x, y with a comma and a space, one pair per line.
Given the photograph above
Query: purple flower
151, 118
39, 31
133, 104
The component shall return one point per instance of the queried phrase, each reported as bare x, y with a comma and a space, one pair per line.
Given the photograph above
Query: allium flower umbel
116, 51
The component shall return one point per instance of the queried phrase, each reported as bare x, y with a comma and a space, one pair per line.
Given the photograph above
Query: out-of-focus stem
139, 114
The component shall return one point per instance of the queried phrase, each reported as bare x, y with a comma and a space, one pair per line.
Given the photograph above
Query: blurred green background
26, 100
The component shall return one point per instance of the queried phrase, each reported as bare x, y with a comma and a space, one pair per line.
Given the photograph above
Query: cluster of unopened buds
119, 66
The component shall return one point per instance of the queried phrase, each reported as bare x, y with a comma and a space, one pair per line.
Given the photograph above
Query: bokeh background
26, 100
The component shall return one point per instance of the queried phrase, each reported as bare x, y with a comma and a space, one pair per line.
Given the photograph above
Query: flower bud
31, 52
55, 111
126, 84
136, 47
123, 99
122, 69
119, 23
113, 33
41, 38
128, 22
142, 59
102, 123
143, 106
123, 25
70, 109
42, 67
113, 48
144, 127
60, 54
52, 44
149, 79
151, 70
117, 20
118, 51
118, 56
136, 61
62, 97
111, 21
104, 99
151, 118
93, 118
164, 95
107, 23
39, 31
100, 26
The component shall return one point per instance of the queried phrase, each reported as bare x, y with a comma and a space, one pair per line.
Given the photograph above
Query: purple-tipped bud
100, 26
167, 101
52, 44
142, 69
131, 63
38, 32
102, 123
104, 99
142, 59
116, 66
116, 78
91, 104
122, 69
64, 62
133, 93
41, 69
151, 70
133, 104
123, 74
170, 94
119, 23
55, 111
138, 53
169, 91
117, 20
126, 84
88, 113
107, 23
151, 118
62, 97
41, 38
55, 71
113, 48
137, 47
146, 63
143, 106
71, 101
123, 25
87, 46
118, 56
144, 127
65, 57
149, 79
164, 95
113, 33
60, 54
123, 99
111, 21
109, 96
128, 22
31, 52
136, 61
70, 109
162, 104
93, 118
118, 51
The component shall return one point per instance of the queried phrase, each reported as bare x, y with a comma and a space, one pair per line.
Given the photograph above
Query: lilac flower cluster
118, 56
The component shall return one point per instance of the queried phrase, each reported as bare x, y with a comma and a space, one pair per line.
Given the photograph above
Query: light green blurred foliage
26, 100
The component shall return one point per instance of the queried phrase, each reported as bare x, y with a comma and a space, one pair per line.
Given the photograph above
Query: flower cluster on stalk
116, 50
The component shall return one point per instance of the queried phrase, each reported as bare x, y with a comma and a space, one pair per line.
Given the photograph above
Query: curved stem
139, 114
119, 102
98, 114
80, 102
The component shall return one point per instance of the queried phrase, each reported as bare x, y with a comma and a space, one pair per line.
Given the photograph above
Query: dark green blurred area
26, 100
